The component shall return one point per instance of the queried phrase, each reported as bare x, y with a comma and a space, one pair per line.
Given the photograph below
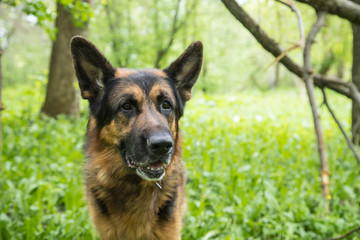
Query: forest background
249, 144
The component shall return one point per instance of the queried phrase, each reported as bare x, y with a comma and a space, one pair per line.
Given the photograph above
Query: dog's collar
157, 184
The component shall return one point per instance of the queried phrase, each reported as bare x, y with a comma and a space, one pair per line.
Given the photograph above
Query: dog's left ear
185, 70
91, 67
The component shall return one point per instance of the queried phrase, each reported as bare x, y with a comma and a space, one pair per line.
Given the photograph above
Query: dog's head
136, 112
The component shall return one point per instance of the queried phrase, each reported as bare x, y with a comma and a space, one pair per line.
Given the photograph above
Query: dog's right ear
91, 67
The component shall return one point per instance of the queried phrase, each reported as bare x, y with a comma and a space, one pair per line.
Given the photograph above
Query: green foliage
41, 173
131, 33
252, 165
80, 10
44, 12
134, 33
254, 170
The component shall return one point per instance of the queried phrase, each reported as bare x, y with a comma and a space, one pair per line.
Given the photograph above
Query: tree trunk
1, 106
61, 95
355, 74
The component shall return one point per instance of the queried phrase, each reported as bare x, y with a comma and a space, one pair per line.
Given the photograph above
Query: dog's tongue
157, 164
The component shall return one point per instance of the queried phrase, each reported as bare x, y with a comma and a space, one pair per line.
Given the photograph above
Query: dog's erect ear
185, 70
91, 67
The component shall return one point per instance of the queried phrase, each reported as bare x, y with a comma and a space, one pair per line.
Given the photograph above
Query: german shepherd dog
134, 175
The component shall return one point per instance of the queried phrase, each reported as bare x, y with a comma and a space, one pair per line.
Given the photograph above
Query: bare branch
300, 43
345, 235
350, 144
335, 84
299, 20
310, 40
344, 9
309, 82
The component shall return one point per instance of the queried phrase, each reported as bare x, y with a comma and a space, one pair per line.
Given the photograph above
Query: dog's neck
131, 199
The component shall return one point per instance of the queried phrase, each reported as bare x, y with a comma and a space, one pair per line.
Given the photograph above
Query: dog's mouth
154, 171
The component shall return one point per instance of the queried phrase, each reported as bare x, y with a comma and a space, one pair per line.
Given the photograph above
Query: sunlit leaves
44, 12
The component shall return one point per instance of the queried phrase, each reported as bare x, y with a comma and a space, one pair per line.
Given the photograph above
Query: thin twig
283, 54
299, 19
309, 82
282, 2
346, 234
351, 145
301, 25
301, 41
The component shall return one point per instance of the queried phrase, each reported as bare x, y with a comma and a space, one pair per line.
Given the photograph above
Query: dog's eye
126, 106
166, 105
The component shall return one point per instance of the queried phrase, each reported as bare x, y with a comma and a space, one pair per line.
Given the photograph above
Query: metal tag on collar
158, 185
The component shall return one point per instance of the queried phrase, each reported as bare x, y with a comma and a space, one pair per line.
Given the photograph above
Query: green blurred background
249, 144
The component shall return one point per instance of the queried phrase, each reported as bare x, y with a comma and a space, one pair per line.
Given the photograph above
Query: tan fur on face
123, 72
127, 88
120, 126
162, 87
115, 130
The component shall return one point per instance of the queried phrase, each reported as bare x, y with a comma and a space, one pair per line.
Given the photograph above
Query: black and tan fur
133, 143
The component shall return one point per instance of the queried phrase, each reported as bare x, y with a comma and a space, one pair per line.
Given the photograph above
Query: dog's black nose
160, 143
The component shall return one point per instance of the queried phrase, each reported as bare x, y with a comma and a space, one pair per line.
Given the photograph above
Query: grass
251, 159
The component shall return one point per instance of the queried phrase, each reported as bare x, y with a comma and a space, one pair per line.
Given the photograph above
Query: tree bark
1, 106
61, 95
342, 8
355, 74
